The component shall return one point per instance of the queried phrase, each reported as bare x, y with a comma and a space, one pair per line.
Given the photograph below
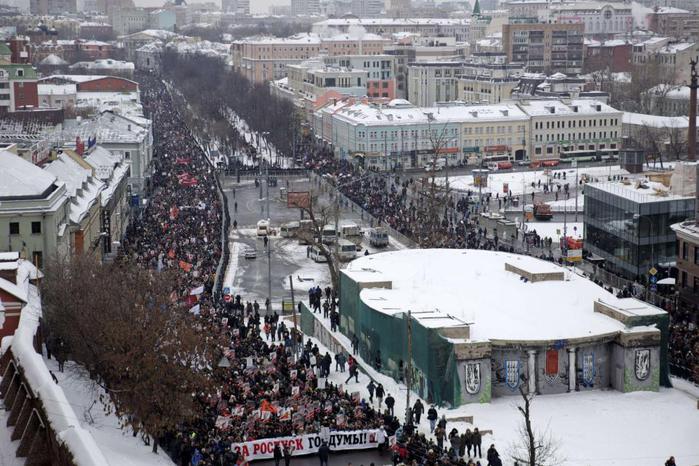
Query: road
249, 277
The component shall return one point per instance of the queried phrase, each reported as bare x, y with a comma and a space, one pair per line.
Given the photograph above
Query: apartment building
573, 129
52, 7
545, 48
688, 264
487, 78
18, 87
381, 72
669, 58
266, 58
402, 134
428, 27
433, 82
305, 7
674, 22
601, 20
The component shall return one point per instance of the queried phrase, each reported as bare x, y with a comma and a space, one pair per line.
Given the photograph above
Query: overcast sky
257, 6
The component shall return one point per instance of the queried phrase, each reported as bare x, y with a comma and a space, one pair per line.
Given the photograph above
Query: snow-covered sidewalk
597, 428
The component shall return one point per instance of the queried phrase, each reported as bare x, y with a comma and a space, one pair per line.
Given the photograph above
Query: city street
249, 276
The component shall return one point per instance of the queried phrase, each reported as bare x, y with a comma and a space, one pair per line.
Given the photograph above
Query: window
127, 154
14, 228
36, 228
696, 255
685, 251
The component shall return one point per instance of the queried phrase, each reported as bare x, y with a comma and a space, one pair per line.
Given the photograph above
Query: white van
328, 235
289, 230
346, 250
438, 165
316, 255
378, 237
263, 228
350, 230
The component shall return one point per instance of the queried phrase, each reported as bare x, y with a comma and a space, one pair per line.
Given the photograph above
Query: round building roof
488, 291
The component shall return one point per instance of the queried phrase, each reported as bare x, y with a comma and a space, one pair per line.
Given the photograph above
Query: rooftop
639, 190
466, 288
557, 107
393, 22
654, 121
19, 178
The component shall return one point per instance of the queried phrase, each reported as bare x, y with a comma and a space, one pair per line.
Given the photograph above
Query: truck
378, 237
542, 211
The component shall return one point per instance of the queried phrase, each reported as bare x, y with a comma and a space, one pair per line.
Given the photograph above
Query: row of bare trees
119, 323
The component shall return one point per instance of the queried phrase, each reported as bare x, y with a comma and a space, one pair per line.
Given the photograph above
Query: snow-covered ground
555, 229
521, 182
265, 149
598, 428
568, 205
118, 445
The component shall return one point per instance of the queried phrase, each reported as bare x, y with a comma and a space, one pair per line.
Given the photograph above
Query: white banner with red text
308, 444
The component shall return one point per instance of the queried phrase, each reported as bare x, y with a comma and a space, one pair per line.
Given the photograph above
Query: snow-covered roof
334, 22
350, 37
670, 91
53, 60
12, 288
557, 107
689, 228
640, 191
669, 10
297, 39
654, 121
57, 89
19, 178
84, 191
401, 112
439, 285
104, 64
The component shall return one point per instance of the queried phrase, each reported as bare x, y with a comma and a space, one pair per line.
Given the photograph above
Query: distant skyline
257, 6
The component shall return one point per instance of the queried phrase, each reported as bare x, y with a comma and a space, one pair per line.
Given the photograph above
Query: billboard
300, 199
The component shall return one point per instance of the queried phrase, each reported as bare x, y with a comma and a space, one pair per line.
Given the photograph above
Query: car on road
263, 228
250, 253
328, 235
346, 250
315, 254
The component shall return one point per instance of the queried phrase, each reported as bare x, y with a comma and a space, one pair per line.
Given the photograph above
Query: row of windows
576, 123
576, 136
685, 252
15, 230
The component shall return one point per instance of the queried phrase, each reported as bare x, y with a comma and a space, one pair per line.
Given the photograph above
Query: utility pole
293, 315
409, 366
577, 186
269, 247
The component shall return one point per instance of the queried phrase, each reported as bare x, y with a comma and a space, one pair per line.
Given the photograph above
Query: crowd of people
269, 382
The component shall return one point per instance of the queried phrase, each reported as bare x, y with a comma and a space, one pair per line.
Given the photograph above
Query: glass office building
630, 226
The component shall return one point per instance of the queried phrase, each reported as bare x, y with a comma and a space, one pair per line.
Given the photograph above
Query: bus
289, 230
378, 237
263, 228
328, 235
316, 255
346, 250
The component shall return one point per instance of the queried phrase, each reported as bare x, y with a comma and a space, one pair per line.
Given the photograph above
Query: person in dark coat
390, 402
380, 392
324, 453
670, 461
418, 409
468, 441
371, 387
491, 454
287, 456
277, 455
432, 417
476, 439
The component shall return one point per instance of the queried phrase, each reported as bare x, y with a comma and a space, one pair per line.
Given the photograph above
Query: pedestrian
390, 402
379, 394
371, 387
418, 409
432, 417
491, 453
278, 455
476, 438
287, 455
324, 453
355, 345
670, 461
468, 441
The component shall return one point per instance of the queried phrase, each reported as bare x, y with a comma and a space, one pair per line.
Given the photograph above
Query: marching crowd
269, 382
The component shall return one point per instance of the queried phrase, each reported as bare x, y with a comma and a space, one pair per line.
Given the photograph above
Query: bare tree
119, 322
321, 215
676, 142
533, 448
649, 139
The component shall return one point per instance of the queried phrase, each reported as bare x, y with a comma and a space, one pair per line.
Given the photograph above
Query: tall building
545, 48
305, 7
398, 8
239, 7
52, 7
674, 22
367, 8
